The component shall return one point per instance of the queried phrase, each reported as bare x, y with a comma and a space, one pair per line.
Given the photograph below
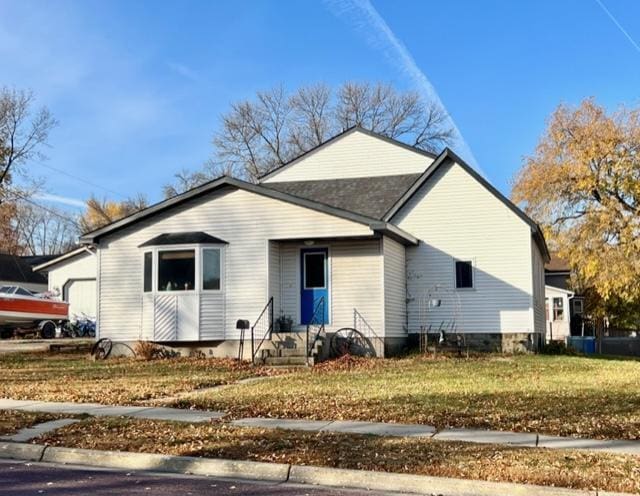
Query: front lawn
11, 421
76, 377
404, 455
559, 395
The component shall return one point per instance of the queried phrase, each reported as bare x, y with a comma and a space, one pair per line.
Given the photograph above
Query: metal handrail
370, 333
267, 310
311, 345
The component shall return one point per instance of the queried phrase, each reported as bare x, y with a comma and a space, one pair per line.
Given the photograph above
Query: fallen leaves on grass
11, 421
558, 395
76, 378
404, 455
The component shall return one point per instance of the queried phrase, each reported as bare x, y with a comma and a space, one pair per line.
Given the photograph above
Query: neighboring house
73, 276
562, 305
17, 271
364, 224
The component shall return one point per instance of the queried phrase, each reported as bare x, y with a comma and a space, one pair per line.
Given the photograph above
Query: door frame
299, 287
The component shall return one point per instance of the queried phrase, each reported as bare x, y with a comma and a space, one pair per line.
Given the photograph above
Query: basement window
464, 274
176, 270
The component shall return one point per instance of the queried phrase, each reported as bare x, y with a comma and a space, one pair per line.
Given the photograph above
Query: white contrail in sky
368, 22
618, 25
65, 200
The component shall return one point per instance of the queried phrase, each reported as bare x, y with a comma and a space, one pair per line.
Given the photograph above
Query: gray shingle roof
370, 196
18, 270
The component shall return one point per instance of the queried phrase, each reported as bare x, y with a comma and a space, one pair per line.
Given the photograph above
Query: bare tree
257, 136
23, 131
44, 231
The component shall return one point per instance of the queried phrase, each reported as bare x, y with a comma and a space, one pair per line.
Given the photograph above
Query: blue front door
314, 285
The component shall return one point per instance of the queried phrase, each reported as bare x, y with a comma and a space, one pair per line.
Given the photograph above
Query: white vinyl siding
395, 287
246, 221
354, 155
457, 218
558, 329
355, 282
78, 276
538, 288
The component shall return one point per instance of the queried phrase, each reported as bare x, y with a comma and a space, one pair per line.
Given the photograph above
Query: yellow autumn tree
582, 183
99, 213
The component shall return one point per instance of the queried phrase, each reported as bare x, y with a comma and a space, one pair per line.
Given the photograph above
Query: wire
52, 212
82, 180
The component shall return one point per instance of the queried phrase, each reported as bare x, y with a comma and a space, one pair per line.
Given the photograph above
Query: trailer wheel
48, 330
6, 333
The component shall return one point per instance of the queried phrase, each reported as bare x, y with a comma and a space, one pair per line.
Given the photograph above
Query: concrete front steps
290, 349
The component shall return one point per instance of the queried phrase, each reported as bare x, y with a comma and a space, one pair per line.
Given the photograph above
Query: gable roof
337, 137
370, 196
557, 265
448, 156
18, 270
230, 182
51, 262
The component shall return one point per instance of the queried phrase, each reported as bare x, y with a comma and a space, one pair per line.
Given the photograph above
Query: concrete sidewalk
95, 409
517, 439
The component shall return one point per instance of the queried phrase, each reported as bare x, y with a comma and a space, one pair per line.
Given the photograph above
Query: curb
281, 473
234, 469
22, 451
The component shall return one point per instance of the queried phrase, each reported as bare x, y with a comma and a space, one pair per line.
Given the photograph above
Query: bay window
176, 268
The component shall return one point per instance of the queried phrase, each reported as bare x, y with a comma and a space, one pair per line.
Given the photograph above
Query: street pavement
26, 479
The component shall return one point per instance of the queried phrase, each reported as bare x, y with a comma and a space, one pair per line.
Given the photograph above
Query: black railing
262, 327
315, 327
360, 324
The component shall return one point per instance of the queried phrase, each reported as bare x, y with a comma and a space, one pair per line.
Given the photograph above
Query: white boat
19, 306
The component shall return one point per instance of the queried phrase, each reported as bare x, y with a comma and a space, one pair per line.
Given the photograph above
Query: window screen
464, 274
314, 270
148, 271
211, 268
176, 270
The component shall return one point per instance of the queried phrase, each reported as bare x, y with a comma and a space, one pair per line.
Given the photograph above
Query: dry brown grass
75, 377
404, 455
11, 421
560, 395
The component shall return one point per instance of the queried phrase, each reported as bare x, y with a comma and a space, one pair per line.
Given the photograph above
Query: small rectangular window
558, 309
578, 308
176, 270
464, 274
211, 268
148, 271
314, 270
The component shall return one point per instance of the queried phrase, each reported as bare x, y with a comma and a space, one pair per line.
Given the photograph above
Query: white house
562, 304
73, 276
361, 231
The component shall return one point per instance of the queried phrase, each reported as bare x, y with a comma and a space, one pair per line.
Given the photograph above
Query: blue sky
138, 87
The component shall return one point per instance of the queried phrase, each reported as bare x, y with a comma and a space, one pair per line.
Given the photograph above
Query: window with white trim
148, 272
464, 274
176, 270
211, 269
558, 309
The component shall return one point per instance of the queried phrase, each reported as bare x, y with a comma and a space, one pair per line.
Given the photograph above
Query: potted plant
284, 323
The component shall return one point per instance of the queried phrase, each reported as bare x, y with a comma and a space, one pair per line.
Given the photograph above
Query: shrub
146, 350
